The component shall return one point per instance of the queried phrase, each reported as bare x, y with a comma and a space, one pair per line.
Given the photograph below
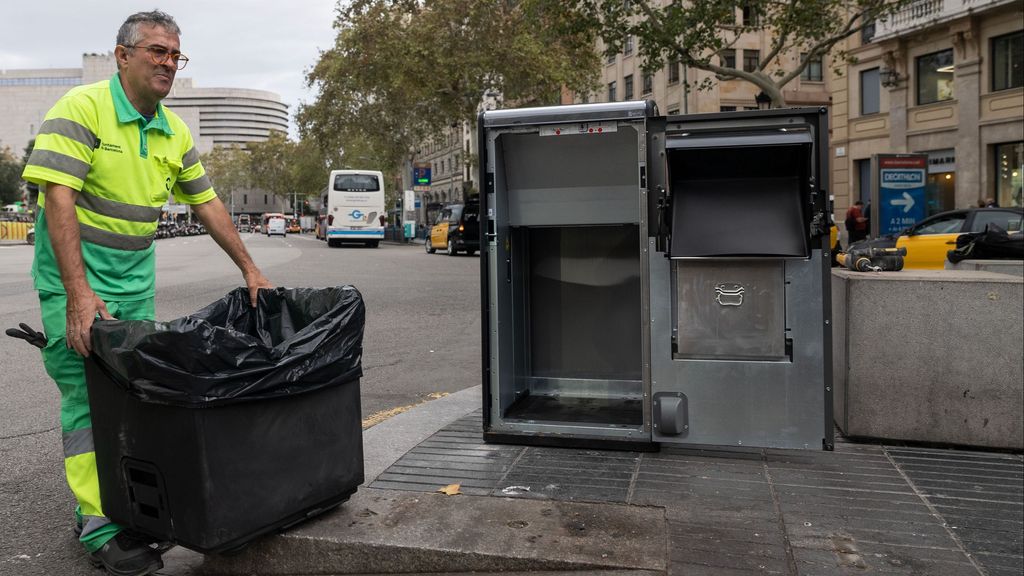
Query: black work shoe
124, 555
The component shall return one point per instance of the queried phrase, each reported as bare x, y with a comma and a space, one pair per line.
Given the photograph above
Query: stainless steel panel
748, 402
560, 114
595, 179
731, 310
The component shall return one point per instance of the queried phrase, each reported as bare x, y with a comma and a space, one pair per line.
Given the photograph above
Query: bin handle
28, 334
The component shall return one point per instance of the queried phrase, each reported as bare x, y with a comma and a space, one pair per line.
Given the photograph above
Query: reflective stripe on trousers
67, 369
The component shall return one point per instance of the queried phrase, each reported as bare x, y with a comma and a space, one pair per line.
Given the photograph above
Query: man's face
149, 80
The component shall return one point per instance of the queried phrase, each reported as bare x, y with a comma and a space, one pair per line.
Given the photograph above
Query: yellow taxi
928, 241
456, 229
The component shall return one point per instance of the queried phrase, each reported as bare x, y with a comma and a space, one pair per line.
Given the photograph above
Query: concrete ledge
386, 532
930, 356
1011, 267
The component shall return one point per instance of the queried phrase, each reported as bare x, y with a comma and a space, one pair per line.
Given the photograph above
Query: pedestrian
856, 223
990, 202
107, 157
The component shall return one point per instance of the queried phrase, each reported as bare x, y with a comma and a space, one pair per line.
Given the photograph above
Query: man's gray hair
129, 34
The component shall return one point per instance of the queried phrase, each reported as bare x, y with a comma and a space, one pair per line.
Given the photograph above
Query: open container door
563, 274
740, 308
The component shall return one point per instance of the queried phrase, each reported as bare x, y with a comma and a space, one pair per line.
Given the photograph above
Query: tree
229, 170
10, 177
697, 33
401, 70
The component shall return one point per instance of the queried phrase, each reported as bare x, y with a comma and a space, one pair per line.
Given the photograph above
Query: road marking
378, 417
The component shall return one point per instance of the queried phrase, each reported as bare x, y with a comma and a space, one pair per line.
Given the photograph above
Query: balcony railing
924, 13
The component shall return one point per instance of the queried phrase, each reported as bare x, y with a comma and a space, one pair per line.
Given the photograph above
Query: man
106, 159
856, 223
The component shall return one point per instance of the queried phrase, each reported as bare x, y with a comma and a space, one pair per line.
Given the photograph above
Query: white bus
354, 205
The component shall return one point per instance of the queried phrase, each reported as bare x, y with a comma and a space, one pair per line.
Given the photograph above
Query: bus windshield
356, 183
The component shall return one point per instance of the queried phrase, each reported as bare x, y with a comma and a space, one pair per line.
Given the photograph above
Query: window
728, 58
749, 15
935, 77
726, 108
264, 198
610, 59
1009, 174
245, 198
628, 88
870, 92
751, 60
867, 33
863, 181
611, 91
673, 71
812, 73
1008, 61
943, 225
627, 49
648, 83
1006, 219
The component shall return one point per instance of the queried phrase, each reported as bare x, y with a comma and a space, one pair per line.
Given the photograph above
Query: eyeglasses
159, 55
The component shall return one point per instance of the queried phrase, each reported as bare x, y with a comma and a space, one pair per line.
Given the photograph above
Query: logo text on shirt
111, 148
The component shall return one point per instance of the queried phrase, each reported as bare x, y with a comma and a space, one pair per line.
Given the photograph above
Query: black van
456, 229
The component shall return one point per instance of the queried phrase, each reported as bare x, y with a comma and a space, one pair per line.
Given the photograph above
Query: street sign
421, 174
901, 187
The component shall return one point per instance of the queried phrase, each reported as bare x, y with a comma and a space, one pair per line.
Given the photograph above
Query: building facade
943, 78
674, 87
215, 116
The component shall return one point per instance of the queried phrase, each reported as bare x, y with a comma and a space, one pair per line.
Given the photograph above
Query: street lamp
764, 101
889, 77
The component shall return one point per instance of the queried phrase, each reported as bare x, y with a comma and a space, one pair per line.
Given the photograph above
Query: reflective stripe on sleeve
190, 159
113, 239
78, 442
115, 209
70, 129
59, 162
191, 187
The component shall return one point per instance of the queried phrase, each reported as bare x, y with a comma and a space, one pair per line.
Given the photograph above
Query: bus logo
356, 215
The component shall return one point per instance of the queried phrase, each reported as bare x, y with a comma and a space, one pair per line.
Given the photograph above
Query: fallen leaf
451, 489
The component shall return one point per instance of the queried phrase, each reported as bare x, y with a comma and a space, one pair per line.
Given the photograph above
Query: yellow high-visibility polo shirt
94, 141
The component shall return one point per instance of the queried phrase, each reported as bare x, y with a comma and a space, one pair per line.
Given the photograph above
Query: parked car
928, 241
456, 229
276, 226
30, 236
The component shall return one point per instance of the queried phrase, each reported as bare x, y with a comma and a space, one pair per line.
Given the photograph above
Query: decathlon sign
901, 191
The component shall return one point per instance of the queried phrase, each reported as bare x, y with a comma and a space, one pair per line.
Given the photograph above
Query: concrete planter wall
930, 356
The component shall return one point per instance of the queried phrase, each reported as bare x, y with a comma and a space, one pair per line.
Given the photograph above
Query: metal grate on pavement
861, 509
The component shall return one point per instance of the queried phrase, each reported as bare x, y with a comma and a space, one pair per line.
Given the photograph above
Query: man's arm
218, 223
83, 304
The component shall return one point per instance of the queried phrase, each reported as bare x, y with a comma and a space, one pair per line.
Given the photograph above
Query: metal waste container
651, 279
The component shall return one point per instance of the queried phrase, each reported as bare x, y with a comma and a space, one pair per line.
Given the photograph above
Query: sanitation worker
107, 157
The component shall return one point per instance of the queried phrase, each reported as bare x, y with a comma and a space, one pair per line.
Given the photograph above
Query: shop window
1009, 174
811, 73
863, 181
870, 92
935, 77
611, 91
1008, 61
728, 58
628, 87
751, 60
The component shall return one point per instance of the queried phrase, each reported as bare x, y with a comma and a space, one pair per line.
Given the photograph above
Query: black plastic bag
295, 340
993, 243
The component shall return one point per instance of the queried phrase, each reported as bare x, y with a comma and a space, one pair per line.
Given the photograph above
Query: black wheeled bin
234, 422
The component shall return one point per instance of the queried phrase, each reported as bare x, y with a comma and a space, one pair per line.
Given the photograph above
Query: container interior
739, 202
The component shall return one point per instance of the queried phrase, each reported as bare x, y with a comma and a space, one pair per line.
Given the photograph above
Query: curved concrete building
229, 115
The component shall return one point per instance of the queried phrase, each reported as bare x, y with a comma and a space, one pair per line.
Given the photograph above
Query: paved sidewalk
862, 509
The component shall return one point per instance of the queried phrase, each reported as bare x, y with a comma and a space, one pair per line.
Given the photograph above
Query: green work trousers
67, 369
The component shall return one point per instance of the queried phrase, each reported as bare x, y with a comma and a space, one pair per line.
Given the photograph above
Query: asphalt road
422, 337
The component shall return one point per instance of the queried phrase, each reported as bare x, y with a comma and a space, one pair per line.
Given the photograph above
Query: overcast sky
261, 44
